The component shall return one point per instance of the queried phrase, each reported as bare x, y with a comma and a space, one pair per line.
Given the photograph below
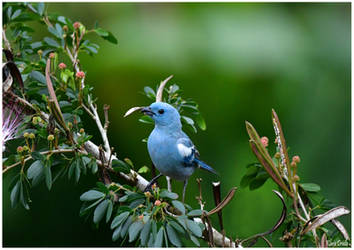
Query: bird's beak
147, 111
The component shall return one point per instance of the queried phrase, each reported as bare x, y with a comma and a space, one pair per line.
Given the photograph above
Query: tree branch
57, 151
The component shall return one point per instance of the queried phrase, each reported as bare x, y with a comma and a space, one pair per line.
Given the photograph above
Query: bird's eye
161, 111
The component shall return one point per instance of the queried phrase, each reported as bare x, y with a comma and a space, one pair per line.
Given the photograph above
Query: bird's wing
185, 136
186, 150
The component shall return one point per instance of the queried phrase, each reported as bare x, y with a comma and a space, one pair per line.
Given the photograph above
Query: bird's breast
164, 154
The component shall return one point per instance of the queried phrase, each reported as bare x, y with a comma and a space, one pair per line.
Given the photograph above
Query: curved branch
161, 87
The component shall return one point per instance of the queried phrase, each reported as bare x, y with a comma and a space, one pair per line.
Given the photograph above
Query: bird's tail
205, 166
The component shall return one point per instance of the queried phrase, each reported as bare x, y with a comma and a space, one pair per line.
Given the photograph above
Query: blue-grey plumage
170, 149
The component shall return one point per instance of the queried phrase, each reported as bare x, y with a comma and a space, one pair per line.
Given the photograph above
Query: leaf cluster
143, 218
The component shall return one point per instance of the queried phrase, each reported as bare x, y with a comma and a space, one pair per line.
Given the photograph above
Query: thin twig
102, 131
57, 151
6, 42
106, 121
88, 110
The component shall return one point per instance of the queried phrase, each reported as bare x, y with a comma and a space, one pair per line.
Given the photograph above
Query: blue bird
170, 149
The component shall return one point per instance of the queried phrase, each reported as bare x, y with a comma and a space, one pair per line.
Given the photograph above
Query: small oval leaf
194, 228
134, 230
179, 205
119, 219
172, 236
100, 211
91, 195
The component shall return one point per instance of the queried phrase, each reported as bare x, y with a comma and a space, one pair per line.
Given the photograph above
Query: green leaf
120, 166
146, 119
116, 233
72, 168
172, 236
119, 219
145, 232
134, 230
176, 226
48, 175
250, 174
91, 49
150, 92
100, 211
91, 195
165, 237
310, 187
130, 163
136, 203
52, 30
77, 169
22, 196
143, 170
35, 172
179, 205
201, 122
182, 220
15, 194
159, 238
196, 212
16, 14
9, 12
40, 8
189, 121
126, 225
111, 38
94, 167
109, 211
62, 19
106, 35
123, 198
93, 204
59, 29
259, 181
151, 241
167, 194
51, 42
101, 32
194, 240
194, 228
39, 77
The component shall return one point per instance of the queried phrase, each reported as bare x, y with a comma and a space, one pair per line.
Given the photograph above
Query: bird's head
163, 114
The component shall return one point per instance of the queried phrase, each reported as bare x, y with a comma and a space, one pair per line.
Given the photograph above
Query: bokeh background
238, 61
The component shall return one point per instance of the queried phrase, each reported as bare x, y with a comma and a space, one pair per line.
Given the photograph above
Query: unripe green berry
70, 125
50, 137
32, 136
82, 130
147, 194
25, 148
35, 120
25, 134
56, 130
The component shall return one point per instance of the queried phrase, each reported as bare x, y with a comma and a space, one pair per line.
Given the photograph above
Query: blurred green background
238, 61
